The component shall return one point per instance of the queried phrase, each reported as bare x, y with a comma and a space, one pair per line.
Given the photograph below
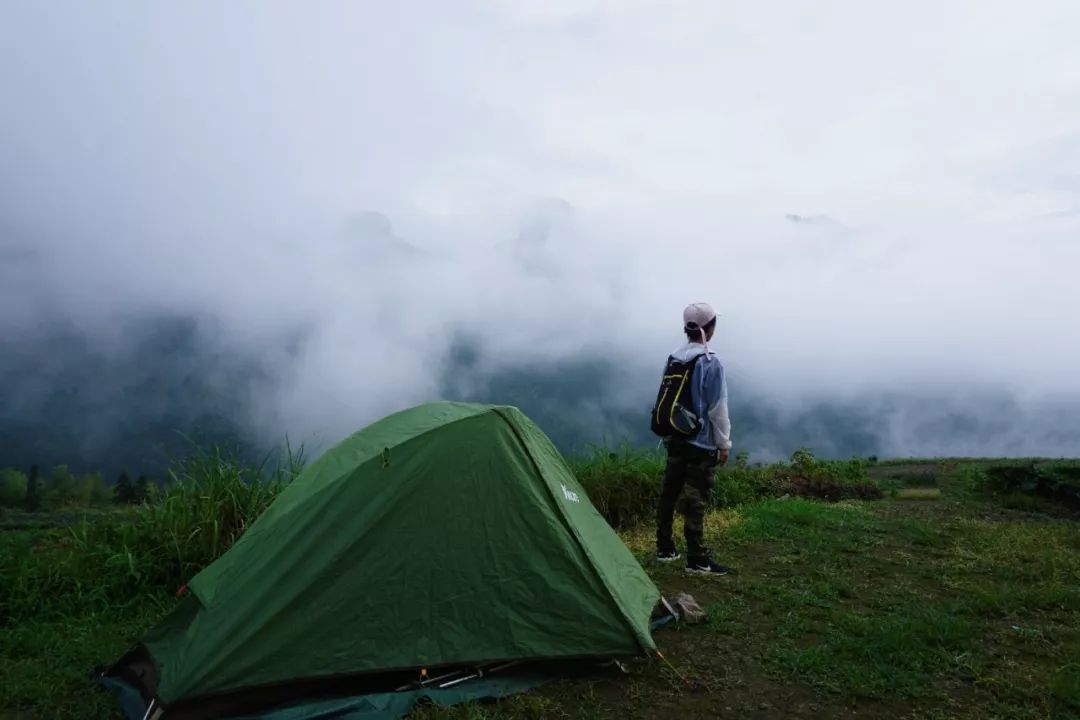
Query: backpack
671, 415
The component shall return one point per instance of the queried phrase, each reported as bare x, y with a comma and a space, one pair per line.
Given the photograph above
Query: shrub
33, 490
831, 480
1058, 481
971, 477
141, 492
12, 488
123, 491
622, 485
741, 484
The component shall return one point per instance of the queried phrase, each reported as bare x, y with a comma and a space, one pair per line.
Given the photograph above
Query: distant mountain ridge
139, 406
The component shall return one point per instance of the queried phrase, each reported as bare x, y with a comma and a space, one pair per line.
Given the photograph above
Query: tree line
34, 491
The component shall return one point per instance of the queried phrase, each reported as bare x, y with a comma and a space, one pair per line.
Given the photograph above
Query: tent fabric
374, 706
392, 706
447, 534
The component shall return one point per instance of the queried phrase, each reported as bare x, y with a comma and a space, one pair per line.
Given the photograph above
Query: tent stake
693, 686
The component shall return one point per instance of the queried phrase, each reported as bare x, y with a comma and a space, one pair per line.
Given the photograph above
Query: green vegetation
1057, 481
60, 488
623, 485
964, 607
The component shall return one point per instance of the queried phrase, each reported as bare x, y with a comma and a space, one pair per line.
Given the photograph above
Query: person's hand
722, 456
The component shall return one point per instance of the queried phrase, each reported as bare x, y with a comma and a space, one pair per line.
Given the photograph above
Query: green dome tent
447, 535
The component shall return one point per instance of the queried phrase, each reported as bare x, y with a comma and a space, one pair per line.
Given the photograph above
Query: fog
330, 200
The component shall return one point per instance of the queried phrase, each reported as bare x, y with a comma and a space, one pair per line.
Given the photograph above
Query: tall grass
210, 503
120, 557
152, 549
622, 484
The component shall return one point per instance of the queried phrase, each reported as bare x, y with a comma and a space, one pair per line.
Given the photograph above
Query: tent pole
480, 672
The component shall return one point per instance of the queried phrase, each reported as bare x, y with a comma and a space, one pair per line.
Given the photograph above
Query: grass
960, 607
918, 493
964, 607
114, 560
47, 664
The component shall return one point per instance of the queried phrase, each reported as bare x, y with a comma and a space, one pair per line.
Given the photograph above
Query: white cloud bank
875, 196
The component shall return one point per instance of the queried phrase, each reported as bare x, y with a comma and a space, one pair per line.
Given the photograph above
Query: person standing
691, 415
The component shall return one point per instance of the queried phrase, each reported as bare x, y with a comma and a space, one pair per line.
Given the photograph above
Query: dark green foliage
33, 490
123, 491
13, 487
1056, 481
741, 484
804, 476
624, 485
141, 491
60, 486
59, 489
100, 493
1066, 685
154, 548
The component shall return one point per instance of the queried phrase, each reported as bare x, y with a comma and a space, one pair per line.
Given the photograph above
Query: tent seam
572, 528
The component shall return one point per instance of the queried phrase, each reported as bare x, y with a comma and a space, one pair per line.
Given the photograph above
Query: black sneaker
667, 555
706, 566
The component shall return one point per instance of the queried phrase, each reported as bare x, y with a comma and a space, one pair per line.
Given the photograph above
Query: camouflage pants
695, 471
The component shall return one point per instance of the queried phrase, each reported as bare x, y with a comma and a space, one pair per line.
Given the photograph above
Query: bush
1058, 481
61, 488
64, 489
33, 490
742, 484
622, 485
142, 491
832, 480
971, 477
12, 488
123, 491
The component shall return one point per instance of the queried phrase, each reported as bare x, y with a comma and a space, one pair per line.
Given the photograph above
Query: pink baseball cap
698, 315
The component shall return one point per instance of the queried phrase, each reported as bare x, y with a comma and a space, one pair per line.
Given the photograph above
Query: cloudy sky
872, 194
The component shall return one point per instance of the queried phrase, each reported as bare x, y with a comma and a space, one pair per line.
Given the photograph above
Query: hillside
948, 593
157, 386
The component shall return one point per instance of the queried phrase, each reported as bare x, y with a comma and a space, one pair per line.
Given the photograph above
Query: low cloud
336, 198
